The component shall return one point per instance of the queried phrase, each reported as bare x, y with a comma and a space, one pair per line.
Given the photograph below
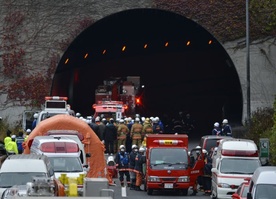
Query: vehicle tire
213, 195
184, 192
149, 191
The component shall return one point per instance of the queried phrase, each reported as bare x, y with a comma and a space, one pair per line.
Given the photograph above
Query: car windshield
265, 191
239, 166
18, 178
66, 164
164, 157
210, 143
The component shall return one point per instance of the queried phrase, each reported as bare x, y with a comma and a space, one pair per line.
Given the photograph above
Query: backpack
124, 159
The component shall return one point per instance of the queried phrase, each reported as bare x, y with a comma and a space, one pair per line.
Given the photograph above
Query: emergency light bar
65, 132
56, 98
241, 153
59, 147
168, 142
110, 102
110, 106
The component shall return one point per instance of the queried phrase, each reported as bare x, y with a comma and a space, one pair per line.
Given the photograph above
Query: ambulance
235, 160
64, 155
168, 164
54, 105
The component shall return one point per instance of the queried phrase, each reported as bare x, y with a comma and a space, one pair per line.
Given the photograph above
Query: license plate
168, 185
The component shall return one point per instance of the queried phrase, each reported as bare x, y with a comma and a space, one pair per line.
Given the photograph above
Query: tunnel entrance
183, 67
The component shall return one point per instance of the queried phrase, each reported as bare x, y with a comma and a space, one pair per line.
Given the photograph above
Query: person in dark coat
94, 127
122, 163
132, 173
216, 130
110, 135
207, 177
226, 128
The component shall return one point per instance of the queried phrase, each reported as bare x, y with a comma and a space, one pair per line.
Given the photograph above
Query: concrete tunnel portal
183, 67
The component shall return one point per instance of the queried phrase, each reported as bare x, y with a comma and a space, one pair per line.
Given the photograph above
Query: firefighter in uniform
140, 159
122, 132
147, 128
136, 132
122, 163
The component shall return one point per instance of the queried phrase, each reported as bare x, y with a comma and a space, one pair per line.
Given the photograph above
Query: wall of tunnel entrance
193, 73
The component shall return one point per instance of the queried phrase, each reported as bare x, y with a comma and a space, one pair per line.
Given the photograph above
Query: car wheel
149, 191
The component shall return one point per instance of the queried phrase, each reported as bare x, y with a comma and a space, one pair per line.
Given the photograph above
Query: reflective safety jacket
11, 146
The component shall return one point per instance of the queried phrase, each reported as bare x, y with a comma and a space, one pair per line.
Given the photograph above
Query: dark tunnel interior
198, 78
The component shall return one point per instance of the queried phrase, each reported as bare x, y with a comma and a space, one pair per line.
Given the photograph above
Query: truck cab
110, 109
168, 164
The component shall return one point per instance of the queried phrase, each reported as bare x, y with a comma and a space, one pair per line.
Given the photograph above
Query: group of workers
131, 166
13, 144
223, 130
125, 131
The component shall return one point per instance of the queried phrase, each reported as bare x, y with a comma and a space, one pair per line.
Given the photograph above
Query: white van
263, 184
64, 155
235, 160
20, 169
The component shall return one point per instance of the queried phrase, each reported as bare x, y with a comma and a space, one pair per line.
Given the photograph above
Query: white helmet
110, 160
122, 146
141, 149
28, 130
225, 121
78, 114
198, 147
204, 151
36, 115
137, 119
216, 124
134, 146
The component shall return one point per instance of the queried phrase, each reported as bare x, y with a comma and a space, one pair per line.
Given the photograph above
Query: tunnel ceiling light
145, 46
210, 42
66, 61
86, 55
188, 43
104, 51
124, 48
166, 44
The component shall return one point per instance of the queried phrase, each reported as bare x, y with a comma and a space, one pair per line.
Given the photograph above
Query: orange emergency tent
91, 142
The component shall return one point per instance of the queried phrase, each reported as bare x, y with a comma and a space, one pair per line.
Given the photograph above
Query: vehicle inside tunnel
182, 66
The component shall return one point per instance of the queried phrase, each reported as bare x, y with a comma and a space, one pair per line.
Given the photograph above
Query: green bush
263, 125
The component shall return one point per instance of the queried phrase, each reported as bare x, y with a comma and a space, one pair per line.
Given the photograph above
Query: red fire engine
117, 97
168, 164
